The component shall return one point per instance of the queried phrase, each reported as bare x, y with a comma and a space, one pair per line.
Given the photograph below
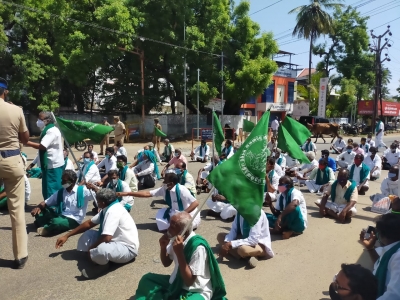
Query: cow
319, 129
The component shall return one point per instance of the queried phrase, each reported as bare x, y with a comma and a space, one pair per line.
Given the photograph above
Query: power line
384, 10
386, 23
265, 7
377, 8
363, 4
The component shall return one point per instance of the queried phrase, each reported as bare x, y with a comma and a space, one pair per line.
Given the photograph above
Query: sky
276, 19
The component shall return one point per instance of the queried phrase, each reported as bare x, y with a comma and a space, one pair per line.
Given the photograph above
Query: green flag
247, 125
289, 141
158, 132
299, 132
218, 134
75, 131
241, 178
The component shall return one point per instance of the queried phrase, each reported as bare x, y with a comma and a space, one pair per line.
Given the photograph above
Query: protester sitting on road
155, 152
280, 159
389, 185
359, 172
271, 179
353, 282
304, 170
370, 141
331, 161
168, 152
126, 174
391, 157
201, 182
245, 241
174, 161
309, 146
147, 171
338, 146
196, 273
357, 149
387, 256
346, 158
220, 207
90, 150
344, 197
228, 149
350, 142
88, 172
109, 162
289, 214
177, 197
291, 162
185, 178
65, 209
68, 164
116, 241
272, 145
139, 156
119, 149
320, 178
201, 153
364, 146
374, 163
279, 171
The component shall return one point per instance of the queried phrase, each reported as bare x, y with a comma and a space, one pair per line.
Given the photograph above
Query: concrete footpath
303, 266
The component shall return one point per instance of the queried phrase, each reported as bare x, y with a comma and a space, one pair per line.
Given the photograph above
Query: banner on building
323, 86
366, 107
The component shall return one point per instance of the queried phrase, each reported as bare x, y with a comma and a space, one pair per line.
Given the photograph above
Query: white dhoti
27, 189
312, 186
379, 141
198, 157
337, 208
163, 224
204, 174
225, 209
342, 164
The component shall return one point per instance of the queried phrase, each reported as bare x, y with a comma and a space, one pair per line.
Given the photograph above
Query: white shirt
339, 144
131, 180
296, 195
259, 234
393, 273
348, 157
70, 209
121, 151
275, 124
125, 188
119, 224
145, 168
205, 150
371, 142
389, 187
376, 162
381, 126
279, 170
70, 165
95, 156
52, 142
108, 164
186, 197
271, 146
36, 161
92, 175
230, 153
392, 158
283, 162
198, 265
312, 165
356, 174
311, 147
275, 180
290, 161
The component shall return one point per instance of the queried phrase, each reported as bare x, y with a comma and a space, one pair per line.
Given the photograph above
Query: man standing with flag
156, 136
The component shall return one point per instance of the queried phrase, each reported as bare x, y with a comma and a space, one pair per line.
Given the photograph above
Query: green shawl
165, 151
43, 153
377, 126
347, 194
325, 177
118, 188
122, 173
102, 215
279, 161
381, 272
169, 201
81, 174
65, 163
150, 156
288, 199
364, 172
80, 199
218, 285
246, 227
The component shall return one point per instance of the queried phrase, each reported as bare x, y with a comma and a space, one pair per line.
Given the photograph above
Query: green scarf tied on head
80, 199
218, 286
288, 199
377, 126
364, 172
43, 153
246, 227
152, 158
322, 178
381, 272
122, 173
118, 188
82, 174
347, 194
169, 201
102, 215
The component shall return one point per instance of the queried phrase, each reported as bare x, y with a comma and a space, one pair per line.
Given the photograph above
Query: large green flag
218, 134
290, 138
75, 131
241, 178
248, 126
158, 132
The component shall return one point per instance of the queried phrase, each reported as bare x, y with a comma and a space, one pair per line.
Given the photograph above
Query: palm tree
312, 21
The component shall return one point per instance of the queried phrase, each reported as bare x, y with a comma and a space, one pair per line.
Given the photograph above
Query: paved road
302, 268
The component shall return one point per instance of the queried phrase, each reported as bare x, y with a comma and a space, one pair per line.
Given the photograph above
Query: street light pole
198, 103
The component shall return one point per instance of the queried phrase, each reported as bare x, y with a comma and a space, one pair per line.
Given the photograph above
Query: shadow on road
147, 226
5, 263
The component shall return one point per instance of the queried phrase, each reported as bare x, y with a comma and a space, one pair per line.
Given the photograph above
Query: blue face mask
86, 161
349, 151
392, 175
178, 171
107, 156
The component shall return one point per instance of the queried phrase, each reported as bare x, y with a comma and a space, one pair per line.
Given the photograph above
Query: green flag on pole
218, 134
248, 126
75, 131
299, 132
158, 132
241, 178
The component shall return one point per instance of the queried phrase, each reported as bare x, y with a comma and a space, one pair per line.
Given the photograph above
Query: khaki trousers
119, 139
244, 250
106, 141
156, 142
12, 172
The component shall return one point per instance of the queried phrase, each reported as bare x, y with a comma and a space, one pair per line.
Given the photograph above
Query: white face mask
66, 185
40, 124
115, 181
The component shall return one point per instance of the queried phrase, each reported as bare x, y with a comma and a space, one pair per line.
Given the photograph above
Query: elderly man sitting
391, 157
344, 196
304, 170
147, 171
338, 146
64, 210
389, 185
320, 178
280, 159
116, 241
359, 172
201, 153
168, 152
374, 163
245, 241
289, 214
220, 207
346, 158
185, 178
89, 171
196, 273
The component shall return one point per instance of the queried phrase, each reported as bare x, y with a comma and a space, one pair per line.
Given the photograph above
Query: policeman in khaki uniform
157, 139
13, 130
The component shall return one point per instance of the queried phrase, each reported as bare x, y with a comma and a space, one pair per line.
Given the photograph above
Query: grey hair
106, 195
277, 150
310, 155
184, 219
47, 117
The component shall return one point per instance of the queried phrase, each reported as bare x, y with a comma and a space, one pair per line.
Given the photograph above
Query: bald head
179, 222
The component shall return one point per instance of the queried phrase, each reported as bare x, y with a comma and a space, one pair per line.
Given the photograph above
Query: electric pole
377, 48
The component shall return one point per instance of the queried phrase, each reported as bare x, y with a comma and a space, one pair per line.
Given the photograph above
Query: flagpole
213, 135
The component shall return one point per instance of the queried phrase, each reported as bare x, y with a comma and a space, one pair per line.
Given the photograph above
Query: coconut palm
312, 21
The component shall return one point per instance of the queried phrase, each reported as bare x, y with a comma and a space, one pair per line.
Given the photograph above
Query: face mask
86, 160
321, 167
40, 124
282, 188
177, 154
115, 181
368, 140
178, 171
393, 150
392, 175
349, 151
120, 165
165, 186
66, 185
107, 156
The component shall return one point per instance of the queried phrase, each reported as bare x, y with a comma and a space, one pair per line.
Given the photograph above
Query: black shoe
20, 263
95, 271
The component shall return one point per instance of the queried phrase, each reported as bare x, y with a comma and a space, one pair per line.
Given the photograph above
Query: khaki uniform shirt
339, 199
119, 128
12, 122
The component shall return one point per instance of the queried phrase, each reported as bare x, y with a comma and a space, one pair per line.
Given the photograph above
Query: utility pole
198, 103
184, 79
377, 48
222, 84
